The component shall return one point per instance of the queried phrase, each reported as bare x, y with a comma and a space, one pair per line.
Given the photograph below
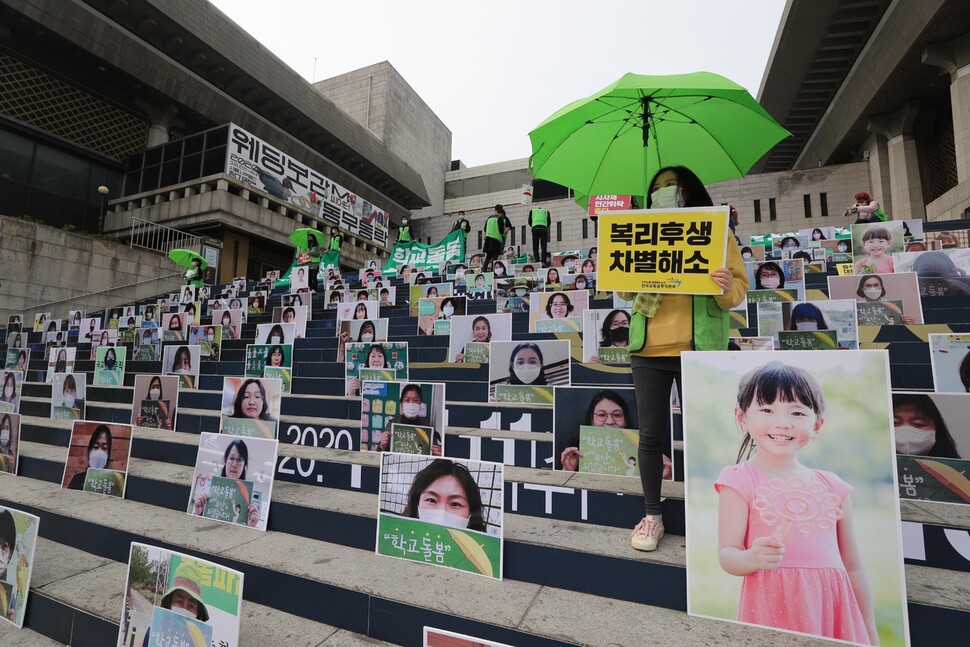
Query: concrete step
321, 582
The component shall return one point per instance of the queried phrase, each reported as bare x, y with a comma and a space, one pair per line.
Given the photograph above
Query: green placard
65, 413
114, 376
229, 500
419, 541
567, 324
613, 355
879, 313
110, 482
808, 339
249, 428
476, 352
285, 375
523, 394
933, 479
426, 307
411, 439
155, 413
376, 374
609, 450
772, 296
442, 327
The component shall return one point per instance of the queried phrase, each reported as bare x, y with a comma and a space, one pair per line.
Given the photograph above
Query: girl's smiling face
779, 429
876, 246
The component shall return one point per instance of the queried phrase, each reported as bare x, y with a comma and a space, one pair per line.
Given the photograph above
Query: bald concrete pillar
954, 57
904, 177
162, 118
879, 172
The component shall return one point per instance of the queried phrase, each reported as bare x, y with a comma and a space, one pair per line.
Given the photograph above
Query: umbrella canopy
184, 258
299, 237
617, 139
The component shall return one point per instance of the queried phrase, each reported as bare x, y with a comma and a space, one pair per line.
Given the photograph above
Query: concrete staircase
313, 578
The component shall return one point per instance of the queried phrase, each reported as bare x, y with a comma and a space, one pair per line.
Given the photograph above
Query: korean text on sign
662, 251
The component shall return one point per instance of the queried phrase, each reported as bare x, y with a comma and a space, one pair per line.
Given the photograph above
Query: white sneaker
647, 534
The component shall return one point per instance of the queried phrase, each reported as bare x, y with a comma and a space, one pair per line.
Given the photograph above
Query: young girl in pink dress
786, 528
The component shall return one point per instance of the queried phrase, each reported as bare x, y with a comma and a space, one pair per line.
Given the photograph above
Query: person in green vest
540, 220
404, 231
462, 224
336, 240
493, 237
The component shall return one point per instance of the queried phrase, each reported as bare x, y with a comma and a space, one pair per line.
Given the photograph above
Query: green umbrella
617, 139
184, 258
299, 237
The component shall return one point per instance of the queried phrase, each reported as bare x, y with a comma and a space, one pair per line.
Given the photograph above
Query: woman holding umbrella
667, 327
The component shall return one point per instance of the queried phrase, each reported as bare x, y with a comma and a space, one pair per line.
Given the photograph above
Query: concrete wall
788, 188
41, 265
379, 98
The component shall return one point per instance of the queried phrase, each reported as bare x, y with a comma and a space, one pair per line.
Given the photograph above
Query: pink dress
810, 592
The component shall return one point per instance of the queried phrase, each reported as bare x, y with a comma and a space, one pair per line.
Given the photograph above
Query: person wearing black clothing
540, 220
462, 224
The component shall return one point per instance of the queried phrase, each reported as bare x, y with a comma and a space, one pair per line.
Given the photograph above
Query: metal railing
159, 238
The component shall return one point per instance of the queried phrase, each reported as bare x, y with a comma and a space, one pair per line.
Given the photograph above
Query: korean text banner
667, 251
265, 167
427, 257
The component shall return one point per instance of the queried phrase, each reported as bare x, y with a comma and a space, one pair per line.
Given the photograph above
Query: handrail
43, 306
152, 236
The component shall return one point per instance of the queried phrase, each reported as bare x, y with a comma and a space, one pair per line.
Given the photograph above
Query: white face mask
411, 410
528, 374
5, 438
667, 197
8, 392
442, 518
806, 325
872, 293
97, 458
154, 394
211, 338
275, 340
913, 441
448, 311
4, 560
367, 338
770, 283
69, 401
746, 255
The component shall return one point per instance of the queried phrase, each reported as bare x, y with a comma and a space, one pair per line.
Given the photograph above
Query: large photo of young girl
788, 528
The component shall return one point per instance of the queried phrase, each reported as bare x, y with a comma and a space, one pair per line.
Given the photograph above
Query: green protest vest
492, 228
404, 234
335, 242
540, 218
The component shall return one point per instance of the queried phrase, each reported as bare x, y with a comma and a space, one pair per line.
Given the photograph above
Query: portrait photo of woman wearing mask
427, 495
109, 368
420, 406
881, 299
10, 395
97, 446
277, 333
182, 361
523, 371
156, 399
67, 396
609, 330
363, 332
9, 441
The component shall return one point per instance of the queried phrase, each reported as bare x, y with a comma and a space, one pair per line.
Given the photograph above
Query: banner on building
269, 169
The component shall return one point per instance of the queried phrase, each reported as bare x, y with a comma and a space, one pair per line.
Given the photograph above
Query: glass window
60, 173
15, 155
